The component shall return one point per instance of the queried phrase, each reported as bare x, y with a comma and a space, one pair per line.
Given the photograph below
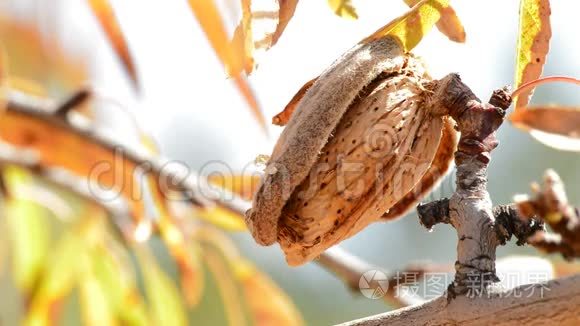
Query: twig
339, 262
473, 298
76, 99
551, 205
350, 269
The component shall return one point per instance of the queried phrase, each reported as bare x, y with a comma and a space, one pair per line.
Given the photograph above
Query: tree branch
555, 302
339, 262
551, 205
473, 298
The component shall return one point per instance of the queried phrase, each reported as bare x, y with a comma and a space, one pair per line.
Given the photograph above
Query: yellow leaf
557, 127
449, 24
29, 231
61, 272
103, 11
210, 21
343, 8
410, 28
62, 269
533, 44
222, 274
185, 256
163, 296
244, 185
268, 304
95, 306
112, 269
222, 218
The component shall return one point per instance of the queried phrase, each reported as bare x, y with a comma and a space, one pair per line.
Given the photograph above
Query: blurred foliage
61, 246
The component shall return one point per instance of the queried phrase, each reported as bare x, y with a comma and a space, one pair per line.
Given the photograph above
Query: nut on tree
365, 143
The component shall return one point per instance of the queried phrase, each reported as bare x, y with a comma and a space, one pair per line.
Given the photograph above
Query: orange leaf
260, 27
558, 127
211, 22
104, 13
38, 63
59, 146
449, 24
283, 117
268, 304
533, 44
3, 79
243, 41
287, 8
187, 261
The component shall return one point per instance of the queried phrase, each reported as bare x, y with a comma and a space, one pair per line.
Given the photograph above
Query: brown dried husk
366, 140
381, 148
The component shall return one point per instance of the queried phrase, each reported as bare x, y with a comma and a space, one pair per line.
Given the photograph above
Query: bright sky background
186, 98
197, 115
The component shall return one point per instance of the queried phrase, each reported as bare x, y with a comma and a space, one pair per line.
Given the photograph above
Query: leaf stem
544, 80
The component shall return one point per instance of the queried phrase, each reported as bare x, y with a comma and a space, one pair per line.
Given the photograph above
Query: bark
556, 302
473, 298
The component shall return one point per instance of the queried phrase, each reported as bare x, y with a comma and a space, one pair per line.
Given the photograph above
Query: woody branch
472, 298
339, 262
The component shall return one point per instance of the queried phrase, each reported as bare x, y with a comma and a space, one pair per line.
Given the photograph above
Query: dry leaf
61, 147
37, 63
449, 24
283, 117
268, 304
533, 44
287, 8
557, 127
407, 29
210, 21
104, 13
410, 28
343, 8
260, 27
